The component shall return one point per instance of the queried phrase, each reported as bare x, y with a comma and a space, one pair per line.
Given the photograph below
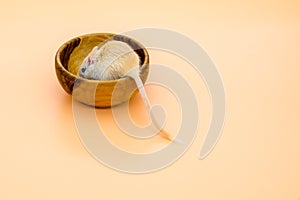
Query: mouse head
88, 66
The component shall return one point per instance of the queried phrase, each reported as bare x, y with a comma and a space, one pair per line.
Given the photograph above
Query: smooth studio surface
255, 46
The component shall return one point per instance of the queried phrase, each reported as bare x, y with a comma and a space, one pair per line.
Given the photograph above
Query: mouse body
109, 61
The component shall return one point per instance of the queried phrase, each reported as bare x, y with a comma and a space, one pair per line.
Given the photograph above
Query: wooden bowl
93, 92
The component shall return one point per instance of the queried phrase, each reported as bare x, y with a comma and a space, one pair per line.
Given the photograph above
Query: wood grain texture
92, 92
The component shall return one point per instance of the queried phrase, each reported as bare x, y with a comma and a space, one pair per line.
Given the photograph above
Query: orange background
255, 46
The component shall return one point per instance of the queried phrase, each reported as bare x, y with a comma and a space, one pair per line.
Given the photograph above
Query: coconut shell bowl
96, 93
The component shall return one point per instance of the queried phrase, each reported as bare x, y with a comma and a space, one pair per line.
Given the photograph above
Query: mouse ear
89, 60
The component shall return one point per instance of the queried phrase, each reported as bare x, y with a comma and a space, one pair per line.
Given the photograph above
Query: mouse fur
109, 61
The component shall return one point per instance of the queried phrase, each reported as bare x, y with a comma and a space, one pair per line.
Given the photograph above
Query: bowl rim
60, 65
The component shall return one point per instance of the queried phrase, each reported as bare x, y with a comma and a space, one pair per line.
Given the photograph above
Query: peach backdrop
255, 46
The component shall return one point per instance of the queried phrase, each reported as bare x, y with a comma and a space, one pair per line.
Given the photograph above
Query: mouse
113, 60
109, 61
